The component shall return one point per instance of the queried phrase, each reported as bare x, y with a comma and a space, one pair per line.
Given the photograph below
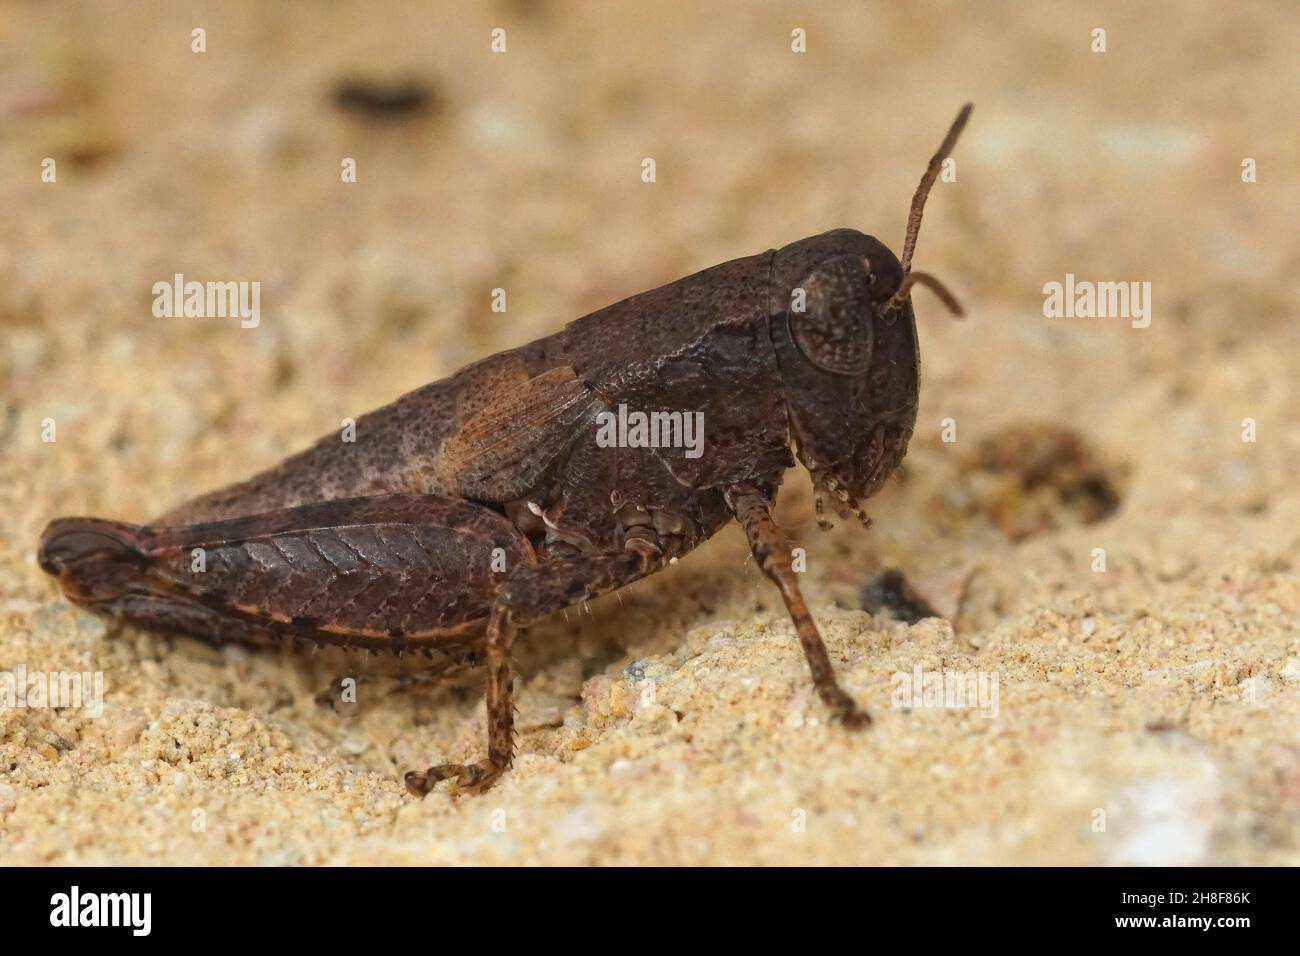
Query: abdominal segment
393, 572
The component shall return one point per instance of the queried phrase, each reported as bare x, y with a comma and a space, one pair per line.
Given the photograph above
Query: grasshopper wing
505, 449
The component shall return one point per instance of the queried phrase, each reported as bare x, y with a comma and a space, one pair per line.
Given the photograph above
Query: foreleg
752, 509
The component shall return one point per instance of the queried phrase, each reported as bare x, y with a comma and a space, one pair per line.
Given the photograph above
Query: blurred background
522, 170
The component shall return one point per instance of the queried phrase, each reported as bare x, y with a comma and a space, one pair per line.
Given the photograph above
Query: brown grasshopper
486, 501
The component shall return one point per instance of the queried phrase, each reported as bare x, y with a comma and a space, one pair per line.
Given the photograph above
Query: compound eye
834, 329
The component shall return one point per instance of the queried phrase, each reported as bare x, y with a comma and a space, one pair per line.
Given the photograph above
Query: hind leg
529, 594
478, 777
394, 573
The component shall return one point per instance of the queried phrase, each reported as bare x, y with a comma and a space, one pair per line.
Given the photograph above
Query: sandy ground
1147, 713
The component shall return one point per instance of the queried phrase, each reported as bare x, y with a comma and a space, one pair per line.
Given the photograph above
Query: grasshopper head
847, 349
849, 365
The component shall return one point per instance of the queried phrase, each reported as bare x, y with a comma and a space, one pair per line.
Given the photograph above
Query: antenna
923, 190
934, 285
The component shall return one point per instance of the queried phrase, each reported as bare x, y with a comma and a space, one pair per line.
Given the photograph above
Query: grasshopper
484, 502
